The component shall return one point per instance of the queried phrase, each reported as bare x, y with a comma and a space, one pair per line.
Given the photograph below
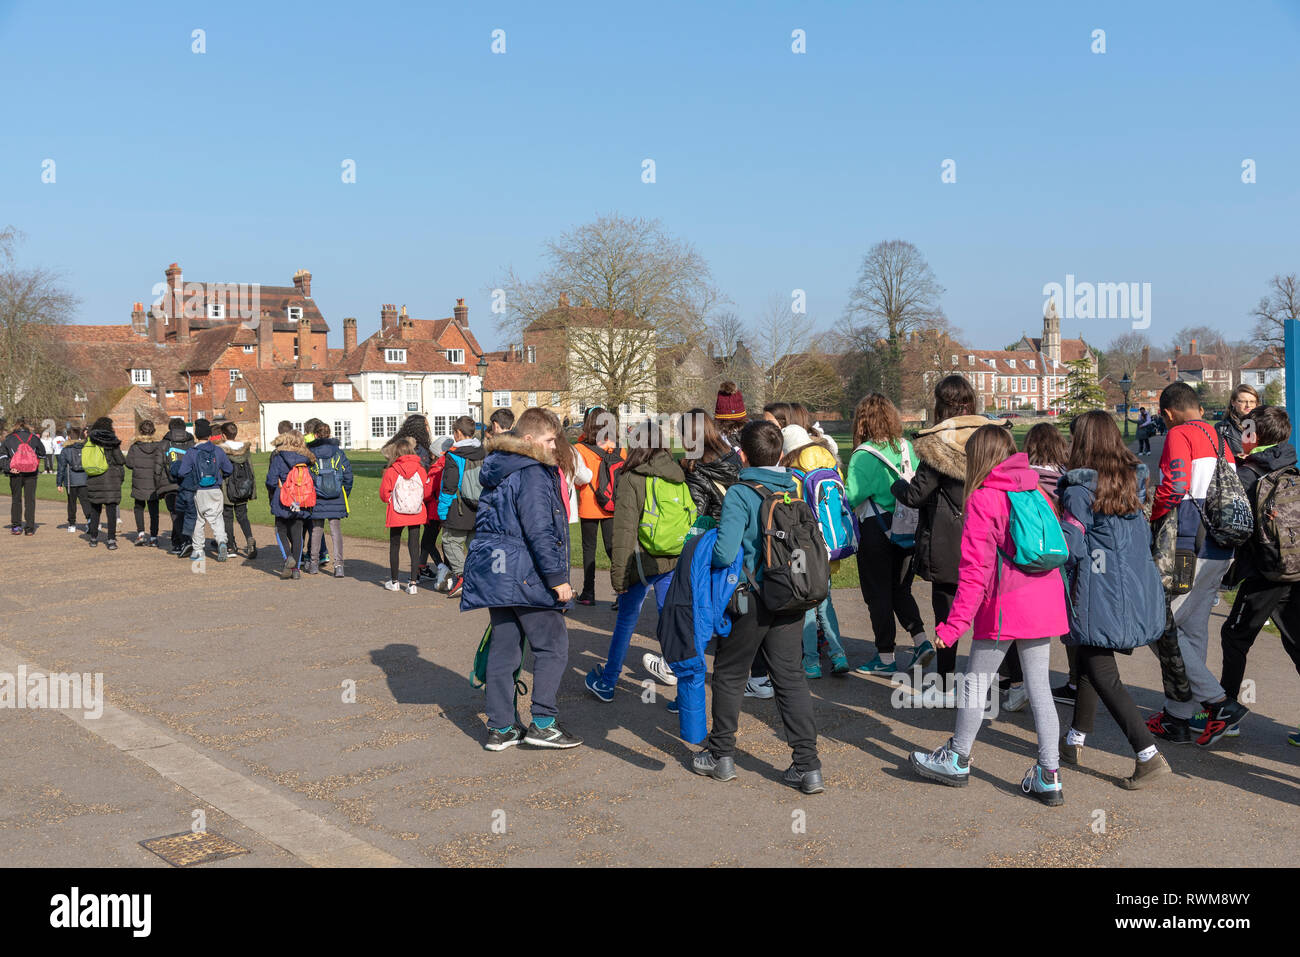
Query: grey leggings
982, 674
318, 539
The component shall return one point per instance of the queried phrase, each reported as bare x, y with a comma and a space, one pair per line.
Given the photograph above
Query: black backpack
241, 486
792, 553
606, 477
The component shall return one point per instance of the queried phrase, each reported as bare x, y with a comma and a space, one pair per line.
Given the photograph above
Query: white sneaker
72, 529
759, 688
392, 586
1017, 698
656, 665
411, 588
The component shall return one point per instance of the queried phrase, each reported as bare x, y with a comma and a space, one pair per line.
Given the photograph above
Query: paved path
226, 694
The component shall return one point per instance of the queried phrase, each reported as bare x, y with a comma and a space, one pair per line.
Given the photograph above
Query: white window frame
456, 356
342, 391
142, 377
395, 355
342, 433
241, 395
249, 350
302, 392
216, 310
198, 388
234, 374
496, 399
532, 400
294, 313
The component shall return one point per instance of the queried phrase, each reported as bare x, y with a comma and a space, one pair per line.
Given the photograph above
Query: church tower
1052, 331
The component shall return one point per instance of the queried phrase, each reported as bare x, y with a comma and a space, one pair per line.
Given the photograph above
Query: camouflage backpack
1277, 525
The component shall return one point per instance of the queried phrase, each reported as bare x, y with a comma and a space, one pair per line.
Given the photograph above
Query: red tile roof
420, 357
276, 385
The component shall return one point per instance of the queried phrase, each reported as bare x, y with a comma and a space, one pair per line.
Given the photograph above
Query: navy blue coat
520, 549
1115, 596
281, 461
324, 450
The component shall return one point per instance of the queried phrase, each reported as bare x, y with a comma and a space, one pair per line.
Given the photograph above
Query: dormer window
216, 310
395, 355
1012, 363
970, 360
954, 360
295, 313
456, 356
142, 377
1029, 363
302, 391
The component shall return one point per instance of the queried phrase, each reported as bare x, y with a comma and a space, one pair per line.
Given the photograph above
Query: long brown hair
876, 419
1045, 446
1099, 446
953, 396
987, 448
564, 455
700, 430
779, 411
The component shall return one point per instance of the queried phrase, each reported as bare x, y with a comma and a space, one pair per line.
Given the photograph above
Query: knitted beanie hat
730, 406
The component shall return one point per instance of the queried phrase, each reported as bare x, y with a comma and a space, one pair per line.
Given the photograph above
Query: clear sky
781, 168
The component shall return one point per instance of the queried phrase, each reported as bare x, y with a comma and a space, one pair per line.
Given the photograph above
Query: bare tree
34, 380
896, 293
780, 335
1282, 304
628, 288
1123, 355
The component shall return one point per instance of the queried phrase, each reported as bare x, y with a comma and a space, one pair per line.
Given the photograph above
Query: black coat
700, 477
1229, 430
106, 489
181, 440
144, 459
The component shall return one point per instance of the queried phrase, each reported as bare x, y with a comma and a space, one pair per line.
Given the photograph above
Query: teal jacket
738, 527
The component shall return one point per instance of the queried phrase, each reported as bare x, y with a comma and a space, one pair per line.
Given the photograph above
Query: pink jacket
1000, 600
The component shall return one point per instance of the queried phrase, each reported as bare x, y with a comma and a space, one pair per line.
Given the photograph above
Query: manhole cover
190, 847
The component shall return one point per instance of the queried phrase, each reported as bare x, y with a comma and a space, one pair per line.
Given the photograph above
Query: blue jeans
629, 610
830, 622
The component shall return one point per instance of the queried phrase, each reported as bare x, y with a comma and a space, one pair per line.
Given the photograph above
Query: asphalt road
227, 690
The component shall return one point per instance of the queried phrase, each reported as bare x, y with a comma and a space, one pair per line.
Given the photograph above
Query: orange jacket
587, 507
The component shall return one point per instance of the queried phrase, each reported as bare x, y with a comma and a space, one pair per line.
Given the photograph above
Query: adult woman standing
1235, 428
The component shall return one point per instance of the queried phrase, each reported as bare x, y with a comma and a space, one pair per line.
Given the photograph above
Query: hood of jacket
236, 450
288, 442
147, 444
472, 450
661, 465
507, 454
177, 436
725, 470
943, 445
1271, 459
776, 481
1015, 474
105, 438
407, 465
325, 448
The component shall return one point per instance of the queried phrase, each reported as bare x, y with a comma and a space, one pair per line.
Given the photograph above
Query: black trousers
289, 532
110, 521
1099, 681
780, 639
75, 495
1258, 599
429, 543
942, 596
140, 506
232, 513
589, 527
395, 549
22, 507
885, 577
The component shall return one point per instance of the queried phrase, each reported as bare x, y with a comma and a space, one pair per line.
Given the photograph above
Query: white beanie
795, 437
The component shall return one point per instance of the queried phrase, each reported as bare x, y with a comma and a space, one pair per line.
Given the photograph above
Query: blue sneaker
877, 667
944, 765
597, 686
672, 707
1044, 785
923, 654
812, 669
1294, 738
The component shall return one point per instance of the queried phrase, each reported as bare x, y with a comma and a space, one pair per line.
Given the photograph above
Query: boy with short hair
203, 470
236, 509
778, 635
518, 567
1259, 596
456, 498
72, 478
502, 420
1187, 466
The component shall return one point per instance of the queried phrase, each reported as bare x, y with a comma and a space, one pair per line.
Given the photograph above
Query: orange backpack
297, 490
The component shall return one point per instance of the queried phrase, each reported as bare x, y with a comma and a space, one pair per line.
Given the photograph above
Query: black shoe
427, 572
94, 542
186, 550
252, 549
1065, 694
1222, 718
500, 740
720, 769
30, 531
1166, 727
809, 782
111, 544
552, 737
456, 587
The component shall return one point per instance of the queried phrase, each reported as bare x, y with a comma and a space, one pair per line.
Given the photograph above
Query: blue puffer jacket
1115, 596
325, 450
695, 609
520, 549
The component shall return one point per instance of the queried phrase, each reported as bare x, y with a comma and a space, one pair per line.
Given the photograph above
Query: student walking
521, 516
292, 493
203, 470
1005, 603
144, 458
71, 478
653, 512
239, 489
176, 442
1116, 600
601, 455
405, 489
458, 499
756, 628
333, 477
105, 467
886, 552
429, 549
24, 451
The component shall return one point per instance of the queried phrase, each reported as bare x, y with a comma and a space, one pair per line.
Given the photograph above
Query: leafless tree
35, 381
896, 293
1282, 304
1124, 354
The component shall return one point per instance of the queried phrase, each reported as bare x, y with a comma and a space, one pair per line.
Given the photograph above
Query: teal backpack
1035, 532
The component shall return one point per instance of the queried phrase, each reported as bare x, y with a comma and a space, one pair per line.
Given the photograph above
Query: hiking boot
288, 569
552, 737
809, 782
338, 569
759, 688
720, 769
222, 553
877, 667
944, 765
1166, 727
1144, 772
500, 740
1071, 753
1222, 717
251, 552
923, 654
1065, 694
1044, 785
656, 665
597, 685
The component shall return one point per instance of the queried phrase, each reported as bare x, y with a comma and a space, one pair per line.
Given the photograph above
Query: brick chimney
265, 343
387, 316
406, 329
1146, 355
349, 335
1191, 348
304, 343
1177, 352
157, 324
176, 295
302, 282
461, 313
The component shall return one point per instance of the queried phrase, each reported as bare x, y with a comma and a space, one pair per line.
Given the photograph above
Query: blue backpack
205, 467
329, 477
823, 490
1035, 532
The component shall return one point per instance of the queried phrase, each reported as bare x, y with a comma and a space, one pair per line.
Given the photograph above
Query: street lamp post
1126, 384
482, 391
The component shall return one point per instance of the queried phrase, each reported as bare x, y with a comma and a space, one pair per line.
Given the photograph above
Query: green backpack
1036, 532
666, 518
478, 672
93, 459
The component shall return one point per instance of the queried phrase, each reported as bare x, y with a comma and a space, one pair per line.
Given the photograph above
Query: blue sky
782, 169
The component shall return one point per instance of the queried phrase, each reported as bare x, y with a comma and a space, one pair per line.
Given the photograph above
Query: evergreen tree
1083, 392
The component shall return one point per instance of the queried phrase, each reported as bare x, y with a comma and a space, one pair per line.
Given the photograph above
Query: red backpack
24, 459
611, 463
297, 490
